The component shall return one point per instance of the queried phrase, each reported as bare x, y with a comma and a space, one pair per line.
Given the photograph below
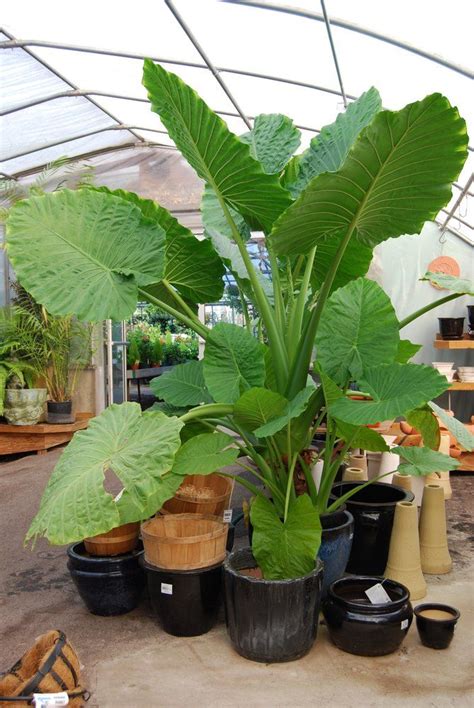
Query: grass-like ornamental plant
372, 175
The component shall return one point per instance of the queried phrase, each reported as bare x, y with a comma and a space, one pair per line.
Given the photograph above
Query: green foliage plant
371, 175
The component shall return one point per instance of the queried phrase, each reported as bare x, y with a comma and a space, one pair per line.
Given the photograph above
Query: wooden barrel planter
122, 539
184, 541
201, 494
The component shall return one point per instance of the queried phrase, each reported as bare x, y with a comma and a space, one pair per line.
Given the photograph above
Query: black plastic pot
186, 602
111, 585
470, 314
238, 518
373, 509
336, 544
451, 327
436, 633
59, 412
357, 626
270, 620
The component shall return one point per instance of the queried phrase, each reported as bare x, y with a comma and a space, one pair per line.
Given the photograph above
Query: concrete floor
129, 661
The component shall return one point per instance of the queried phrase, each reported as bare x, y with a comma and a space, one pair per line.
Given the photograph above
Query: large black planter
470, 313
108, 585
336, 544
373, 509
270, 620
357, 626
186, 602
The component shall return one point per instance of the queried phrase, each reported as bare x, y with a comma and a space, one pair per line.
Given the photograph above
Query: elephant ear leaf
218, 156
418, 150
273, 140
420, 461
138, 449
184, 385
329, 149
204, 454
104, 249
463, 286
464, 437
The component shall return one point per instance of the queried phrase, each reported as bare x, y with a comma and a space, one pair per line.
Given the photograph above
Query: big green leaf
293, 409
204, 454
358, 330
233, 362
285, 550
329, 149
419, 461
425, 422
84, 252
406, 350
160, 291
449, 282
395, 388
184, 385
273, 140
362, 437
354, 263
217, 155
191, 266
165, 487
257, 406
137, 448
464, 437
214, 219
397, 176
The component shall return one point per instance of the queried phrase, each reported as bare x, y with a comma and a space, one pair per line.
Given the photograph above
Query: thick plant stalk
427, 308
300, 366
274, 334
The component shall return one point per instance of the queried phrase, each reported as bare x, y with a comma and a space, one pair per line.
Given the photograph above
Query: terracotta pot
404, 564
359, 461
354, 474
412, 484
442, 478
122, 539
435, 558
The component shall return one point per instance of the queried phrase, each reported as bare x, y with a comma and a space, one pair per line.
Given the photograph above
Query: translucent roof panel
273, 57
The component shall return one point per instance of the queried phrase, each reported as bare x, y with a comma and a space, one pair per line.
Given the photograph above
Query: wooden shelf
461, 386
465, 343
467, 462
40, 437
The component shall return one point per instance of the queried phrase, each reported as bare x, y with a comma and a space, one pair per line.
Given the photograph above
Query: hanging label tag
404, 624
227, 516
50, 700
166, 589
378, 595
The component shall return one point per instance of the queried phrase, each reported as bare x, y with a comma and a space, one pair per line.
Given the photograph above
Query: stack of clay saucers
446, 368
466, 374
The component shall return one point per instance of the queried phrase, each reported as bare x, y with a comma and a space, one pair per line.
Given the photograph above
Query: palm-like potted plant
370, 176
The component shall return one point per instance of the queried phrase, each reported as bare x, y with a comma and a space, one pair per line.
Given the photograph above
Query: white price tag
50, 700
404, 624
166, 589
378, 595
227, 516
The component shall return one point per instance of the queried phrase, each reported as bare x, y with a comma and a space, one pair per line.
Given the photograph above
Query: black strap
34, 682
69, 666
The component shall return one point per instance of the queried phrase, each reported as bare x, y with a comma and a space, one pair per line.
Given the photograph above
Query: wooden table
39, 437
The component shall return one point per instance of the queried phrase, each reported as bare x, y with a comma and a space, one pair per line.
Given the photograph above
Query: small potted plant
133, 355
157, 352
321, 213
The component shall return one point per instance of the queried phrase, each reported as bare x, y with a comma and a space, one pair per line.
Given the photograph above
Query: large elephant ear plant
371, 175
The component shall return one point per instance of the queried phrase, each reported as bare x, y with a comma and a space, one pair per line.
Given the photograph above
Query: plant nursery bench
39, 437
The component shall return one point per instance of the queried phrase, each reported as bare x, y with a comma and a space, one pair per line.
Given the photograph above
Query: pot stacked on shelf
184, 548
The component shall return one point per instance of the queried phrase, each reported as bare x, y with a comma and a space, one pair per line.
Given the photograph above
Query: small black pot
451, 327
470, 314
186, 601
373, 509
238, 518
108, 585
270, 620
436, 633
357, 626
59, 412
336, 544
